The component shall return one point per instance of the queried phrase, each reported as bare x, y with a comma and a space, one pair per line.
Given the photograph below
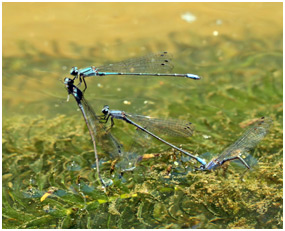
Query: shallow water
46, 145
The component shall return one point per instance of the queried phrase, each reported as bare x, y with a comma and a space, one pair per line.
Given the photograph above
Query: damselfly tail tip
203, 162
192, 76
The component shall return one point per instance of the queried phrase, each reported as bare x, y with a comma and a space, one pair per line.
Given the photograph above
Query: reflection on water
46, 145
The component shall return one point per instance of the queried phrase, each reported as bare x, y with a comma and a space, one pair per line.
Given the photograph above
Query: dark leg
236, 158
104, 118
79, 78
85, 85
112, 123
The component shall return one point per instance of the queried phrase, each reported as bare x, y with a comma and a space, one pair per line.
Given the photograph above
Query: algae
49, 180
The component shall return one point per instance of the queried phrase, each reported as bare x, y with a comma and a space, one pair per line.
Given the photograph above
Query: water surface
236, 47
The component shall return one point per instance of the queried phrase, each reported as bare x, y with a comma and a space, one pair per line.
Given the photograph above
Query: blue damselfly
176, 128
150, 65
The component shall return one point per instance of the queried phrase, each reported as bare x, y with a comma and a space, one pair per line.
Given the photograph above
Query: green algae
217, 199
54, 153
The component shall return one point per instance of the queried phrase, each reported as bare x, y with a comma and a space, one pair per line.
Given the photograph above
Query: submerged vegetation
49, 177
55, 159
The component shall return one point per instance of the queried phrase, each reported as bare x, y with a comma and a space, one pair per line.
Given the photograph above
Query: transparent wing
132, 152
152, 63
248, 140
170, 127
106, 140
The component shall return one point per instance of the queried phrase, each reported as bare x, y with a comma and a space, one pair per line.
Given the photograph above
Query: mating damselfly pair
99, 131
151, 65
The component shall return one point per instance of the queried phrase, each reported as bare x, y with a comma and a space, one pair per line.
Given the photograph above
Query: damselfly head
105, 109
74, 71
68, 81
69, 85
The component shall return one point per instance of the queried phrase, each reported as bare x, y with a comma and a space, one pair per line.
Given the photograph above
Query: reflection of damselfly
97, 130
249, 139
173, 127
150, 65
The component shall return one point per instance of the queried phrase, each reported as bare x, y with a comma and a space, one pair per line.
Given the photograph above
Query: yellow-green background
242, 72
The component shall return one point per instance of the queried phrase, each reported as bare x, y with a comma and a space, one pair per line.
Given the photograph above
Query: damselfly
96, 129
176, 128
248, 140
150, 65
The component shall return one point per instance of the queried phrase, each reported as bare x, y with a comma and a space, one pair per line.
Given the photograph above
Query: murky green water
46, 145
